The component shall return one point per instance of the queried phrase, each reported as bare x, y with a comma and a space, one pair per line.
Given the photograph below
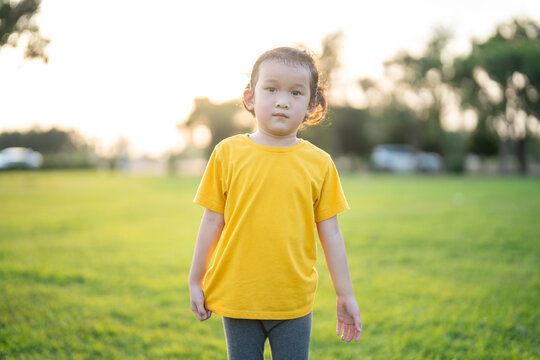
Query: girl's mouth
281, 115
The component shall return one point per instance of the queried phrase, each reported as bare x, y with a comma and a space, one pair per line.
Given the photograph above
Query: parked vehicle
405, 159
20, 157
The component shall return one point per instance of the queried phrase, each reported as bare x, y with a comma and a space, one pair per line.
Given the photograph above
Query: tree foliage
424, 77
17, 20
46, 142
500, 80
330, 58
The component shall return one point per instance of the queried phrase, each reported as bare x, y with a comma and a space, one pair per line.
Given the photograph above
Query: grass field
94, 266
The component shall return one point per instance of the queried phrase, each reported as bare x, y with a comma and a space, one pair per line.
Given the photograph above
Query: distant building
405, 159
19, 157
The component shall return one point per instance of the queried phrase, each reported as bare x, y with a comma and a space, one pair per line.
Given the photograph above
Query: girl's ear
249, 99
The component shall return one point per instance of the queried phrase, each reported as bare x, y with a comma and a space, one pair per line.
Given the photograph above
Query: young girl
263, 194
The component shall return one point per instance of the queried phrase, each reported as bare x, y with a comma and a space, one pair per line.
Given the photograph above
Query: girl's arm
348, 314
209, 232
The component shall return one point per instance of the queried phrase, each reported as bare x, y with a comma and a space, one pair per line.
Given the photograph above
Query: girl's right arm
209, 233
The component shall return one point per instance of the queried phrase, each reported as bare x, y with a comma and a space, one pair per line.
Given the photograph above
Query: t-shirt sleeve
212, 192
331, 200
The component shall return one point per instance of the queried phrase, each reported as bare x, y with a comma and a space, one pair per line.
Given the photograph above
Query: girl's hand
197, 303
348, 319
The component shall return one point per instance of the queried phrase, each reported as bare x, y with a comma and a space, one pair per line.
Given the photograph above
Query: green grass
94, 266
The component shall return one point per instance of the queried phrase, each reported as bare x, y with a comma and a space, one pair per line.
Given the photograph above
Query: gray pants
289, 339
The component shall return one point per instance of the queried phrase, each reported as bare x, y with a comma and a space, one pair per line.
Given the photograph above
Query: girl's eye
296, 92
271, 89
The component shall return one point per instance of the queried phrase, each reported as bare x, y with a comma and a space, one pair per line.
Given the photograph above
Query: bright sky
132, 68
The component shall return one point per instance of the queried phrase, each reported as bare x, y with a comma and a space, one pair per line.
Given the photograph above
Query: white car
17, 157
405, 159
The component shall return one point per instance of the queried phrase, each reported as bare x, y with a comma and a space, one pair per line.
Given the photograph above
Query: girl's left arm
349, 324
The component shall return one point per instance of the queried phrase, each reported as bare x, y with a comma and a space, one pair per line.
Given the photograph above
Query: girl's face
280, 99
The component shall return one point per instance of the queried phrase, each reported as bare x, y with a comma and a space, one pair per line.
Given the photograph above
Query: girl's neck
263, 138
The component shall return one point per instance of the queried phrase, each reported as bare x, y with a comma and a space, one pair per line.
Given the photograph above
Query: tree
50, 141
421, 84
222, 120
500, 78
17, 20
330, 58
344, 133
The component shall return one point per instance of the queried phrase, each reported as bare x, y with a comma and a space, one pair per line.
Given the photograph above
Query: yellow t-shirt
271, 198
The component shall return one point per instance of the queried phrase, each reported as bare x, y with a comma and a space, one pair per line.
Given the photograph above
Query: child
263, 193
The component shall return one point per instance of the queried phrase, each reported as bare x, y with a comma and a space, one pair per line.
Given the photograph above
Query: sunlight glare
201, 136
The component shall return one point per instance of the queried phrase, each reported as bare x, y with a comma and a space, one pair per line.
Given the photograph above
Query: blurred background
417, 86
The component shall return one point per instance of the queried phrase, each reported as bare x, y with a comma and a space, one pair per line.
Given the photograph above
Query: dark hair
295, 56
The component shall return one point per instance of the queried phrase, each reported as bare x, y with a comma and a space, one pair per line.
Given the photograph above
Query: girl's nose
282, 102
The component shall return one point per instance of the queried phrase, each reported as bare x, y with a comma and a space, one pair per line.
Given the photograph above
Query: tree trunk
504, 147
521, 155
